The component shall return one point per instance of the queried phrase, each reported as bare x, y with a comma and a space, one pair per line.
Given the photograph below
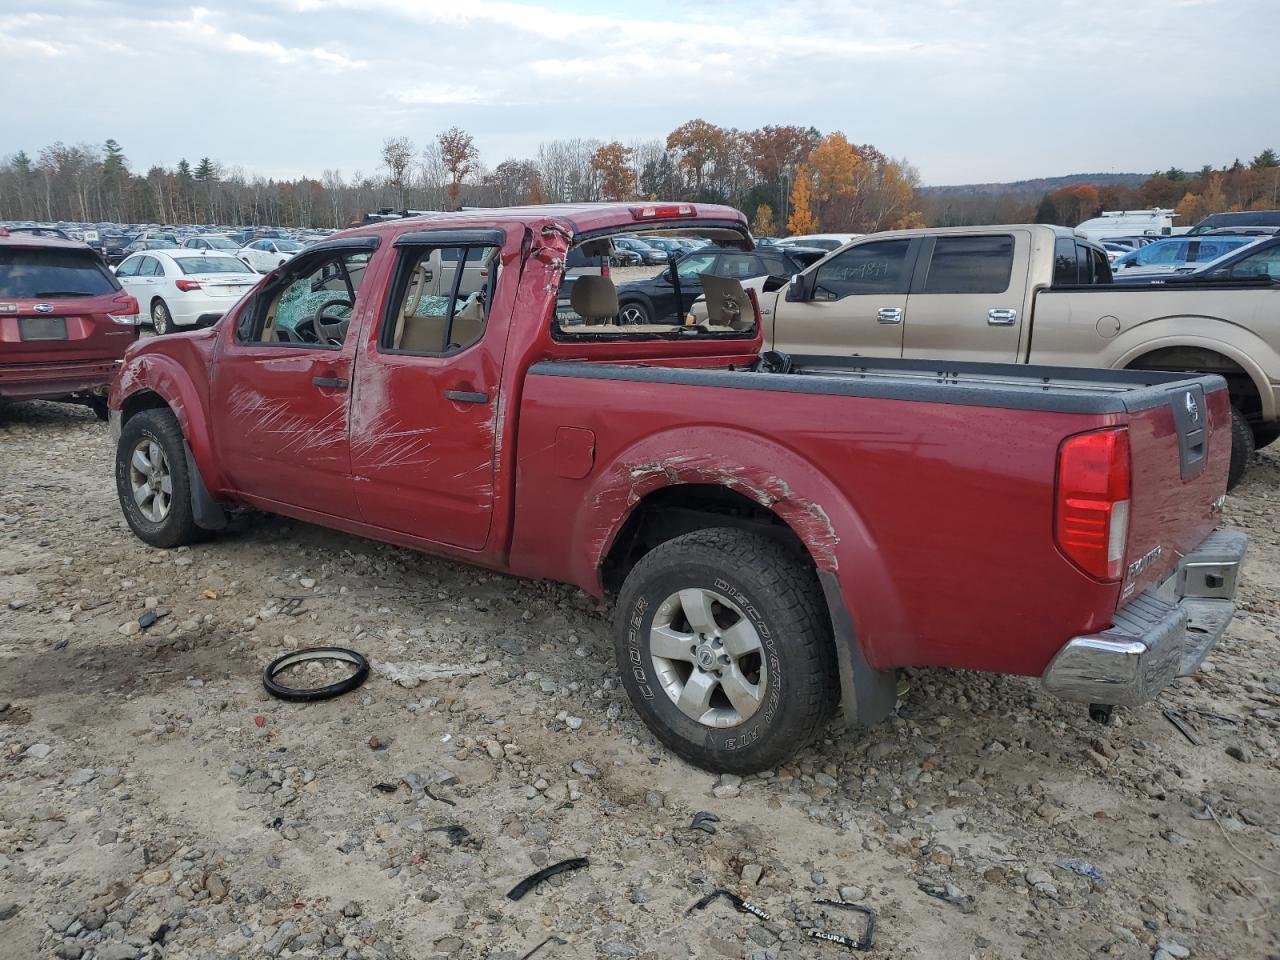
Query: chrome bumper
1160, 635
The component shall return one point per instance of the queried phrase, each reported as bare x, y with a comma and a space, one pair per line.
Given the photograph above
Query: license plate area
42, 328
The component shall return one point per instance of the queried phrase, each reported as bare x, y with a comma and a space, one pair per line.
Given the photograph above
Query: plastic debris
704, 820
531, 881
1082, 867
861, 943
947, 892
742, 906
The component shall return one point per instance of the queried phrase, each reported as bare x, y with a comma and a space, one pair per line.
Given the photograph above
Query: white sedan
265, 255
184, 288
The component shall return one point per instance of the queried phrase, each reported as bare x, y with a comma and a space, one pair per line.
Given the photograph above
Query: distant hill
1034, 188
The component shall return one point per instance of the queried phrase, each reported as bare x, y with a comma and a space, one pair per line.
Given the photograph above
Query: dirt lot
155, 802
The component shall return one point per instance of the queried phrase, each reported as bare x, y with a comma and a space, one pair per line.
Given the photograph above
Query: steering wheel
332, 331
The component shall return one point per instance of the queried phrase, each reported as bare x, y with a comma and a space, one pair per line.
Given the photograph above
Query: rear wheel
152, 480
161, 319
1241, 448
725, 648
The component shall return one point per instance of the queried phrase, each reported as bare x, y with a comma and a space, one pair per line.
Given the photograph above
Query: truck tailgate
1180, 448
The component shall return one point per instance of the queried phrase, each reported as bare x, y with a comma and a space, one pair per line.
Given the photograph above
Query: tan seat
424, 282
727, 303
594, 299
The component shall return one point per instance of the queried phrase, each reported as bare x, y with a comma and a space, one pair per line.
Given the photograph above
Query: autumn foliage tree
762, 224
698, 144
613, 163
801, 220
458, 153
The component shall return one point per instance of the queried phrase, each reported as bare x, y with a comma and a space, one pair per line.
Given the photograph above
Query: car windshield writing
28, 274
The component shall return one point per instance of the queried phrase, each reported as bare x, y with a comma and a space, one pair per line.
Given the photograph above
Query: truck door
281, 382
852, 303
424, 409
967, 297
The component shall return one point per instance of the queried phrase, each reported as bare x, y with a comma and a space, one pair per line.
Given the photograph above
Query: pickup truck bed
780, 533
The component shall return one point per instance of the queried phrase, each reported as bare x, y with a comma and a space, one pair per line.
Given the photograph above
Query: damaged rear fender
801, 495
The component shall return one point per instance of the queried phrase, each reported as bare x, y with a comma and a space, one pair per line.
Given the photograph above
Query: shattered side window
313, 305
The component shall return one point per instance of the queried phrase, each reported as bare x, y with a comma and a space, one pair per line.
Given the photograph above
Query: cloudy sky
968, 90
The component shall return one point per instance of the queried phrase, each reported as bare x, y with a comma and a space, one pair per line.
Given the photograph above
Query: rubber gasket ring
328, 692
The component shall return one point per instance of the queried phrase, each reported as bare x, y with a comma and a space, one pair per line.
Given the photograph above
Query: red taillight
124, 310
604, 269
1092, 522
662, 212
186, 286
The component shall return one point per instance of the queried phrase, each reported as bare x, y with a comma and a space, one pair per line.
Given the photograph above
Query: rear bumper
1160, 635
49, 381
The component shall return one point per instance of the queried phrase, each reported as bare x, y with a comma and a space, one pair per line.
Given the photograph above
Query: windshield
220, 243
33, 274
197, 265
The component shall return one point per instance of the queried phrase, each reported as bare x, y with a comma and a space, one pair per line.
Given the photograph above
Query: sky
967, 90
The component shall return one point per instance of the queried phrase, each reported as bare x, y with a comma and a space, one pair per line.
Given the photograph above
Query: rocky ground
154, 801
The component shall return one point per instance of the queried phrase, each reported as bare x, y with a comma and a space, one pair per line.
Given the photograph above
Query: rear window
210, 265
970, 265
36, 274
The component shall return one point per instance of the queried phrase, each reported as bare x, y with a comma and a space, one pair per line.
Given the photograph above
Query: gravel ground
155, 802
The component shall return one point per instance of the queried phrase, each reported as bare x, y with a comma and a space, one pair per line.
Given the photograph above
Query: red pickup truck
64, 321
780, 533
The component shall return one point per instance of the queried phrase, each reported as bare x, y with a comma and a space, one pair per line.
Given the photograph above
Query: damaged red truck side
780, 533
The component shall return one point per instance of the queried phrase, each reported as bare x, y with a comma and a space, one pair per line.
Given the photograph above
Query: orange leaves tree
613, 163
801, 219
459, 155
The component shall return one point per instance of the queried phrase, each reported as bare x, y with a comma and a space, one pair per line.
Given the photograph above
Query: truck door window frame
252, 319
929, 258
910, 264
410, 249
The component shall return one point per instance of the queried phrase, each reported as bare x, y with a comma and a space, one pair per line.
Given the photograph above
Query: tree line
1191, 195
786, 178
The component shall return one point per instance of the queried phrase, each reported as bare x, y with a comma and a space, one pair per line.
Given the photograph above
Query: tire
1265, 434
158, 520
161, 318
1241, 448
634, 312
771, 597
99, 407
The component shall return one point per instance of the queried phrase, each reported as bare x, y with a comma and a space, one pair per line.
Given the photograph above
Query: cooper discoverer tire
152, 480
725, 648
1241, 448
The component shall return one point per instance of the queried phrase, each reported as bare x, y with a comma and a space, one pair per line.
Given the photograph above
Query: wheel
634, 312
152, 480
99, 407
725, 648
1241, 448
1265, 434
161, 319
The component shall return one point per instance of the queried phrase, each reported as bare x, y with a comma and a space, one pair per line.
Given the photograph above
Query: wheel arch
1247, 381
154, 381
645, 502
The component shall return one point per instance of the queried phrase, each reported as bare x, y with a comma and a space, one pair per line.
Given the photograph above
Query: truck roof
578, 218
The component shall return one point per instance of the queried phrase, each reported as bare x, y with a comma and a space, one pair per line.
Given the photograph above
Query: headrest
593, 296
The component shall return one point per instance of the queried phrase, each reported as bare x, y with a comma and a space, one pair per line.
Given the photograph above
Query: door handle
889, 315
1002, 317
333, 383
466, 396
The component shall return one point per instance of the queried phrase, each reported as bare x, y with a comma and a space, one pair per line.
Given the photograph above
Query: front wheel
725, 648
152, 481
1241, 448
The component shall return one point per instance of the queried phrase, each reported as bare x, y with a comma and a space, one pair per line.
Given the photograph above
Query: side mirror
796, 289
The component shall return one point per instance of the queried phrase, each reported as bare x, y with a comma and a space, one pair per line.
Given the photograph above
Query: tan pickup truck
1032, 294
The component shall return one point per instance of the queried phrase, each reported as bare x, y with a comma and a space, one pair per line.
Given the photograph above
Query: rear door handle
889, 315
333, 383
466, 396
1002, 317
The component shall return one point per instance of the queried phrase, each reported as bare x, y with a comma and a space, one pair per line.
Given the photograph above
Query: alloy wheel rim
150, 480
708, 657
632, 315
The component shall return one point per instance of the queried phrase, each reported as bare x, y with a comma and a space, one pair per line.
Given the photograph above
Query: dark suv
667, 297
64, 321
